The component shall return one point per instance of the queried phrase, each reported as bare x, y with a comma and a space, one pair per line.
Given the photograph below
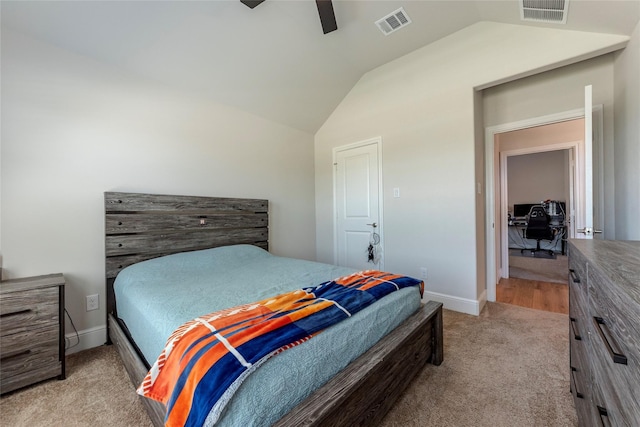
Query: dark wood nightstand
32, 341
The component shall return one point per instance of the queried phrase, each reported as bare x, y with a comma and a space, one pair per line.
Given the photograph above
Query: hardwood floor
534, 294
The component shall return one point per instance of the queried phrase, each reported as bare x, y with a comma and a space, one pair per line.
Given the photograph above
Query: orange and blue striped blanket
206, 359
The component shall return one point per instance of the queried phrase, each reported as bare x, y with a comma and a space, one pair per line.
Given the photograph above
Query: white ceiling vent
393, 21
554, 11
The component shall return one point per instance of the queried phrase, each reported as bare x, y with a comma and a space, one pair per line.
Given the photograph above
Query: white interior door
585, 226
358, 207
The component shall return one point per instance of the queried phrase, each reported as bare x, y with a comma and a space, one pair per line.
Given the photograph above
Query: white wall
535, 177
73, 129
559, 91
544, 175
422, 105
627, 139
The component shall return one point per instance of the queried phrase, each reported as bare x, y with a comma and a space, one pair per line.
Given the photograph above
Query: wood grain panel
32, 330
605, 298
136, 369
34, 374
145, 226
615, 347
180, 240
24, 351
24, 311
140, 202
144, 222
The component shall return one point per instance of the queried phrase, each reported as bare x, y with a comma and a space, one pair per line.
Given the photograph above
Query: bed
141, 227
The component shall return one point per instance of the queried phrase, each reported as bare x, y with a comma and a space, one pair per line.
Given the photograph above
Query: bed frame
144, 226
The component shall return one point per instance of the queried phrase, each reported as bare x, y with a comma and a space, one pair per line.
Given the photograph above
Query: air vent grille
554, 11
393, 21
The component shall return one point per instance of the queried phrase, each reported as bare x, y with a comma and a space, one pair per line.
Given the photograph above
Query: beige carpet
507, 367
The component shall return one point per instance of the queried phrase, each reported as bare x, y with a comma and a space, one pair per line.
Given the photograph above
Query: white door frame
490, 150
377, 141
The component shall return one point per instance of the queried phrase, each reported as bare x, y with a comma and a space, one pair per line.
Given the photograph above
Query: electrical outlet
423, 273
93, 302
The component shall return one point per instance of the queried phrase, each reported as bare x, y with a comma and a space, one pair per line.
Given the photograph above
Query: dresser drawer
607, 313
579, 358
22, 311
578, 319
616, 351
578, 269
578, 293
599, 415
583, 405
618, 384
578, 283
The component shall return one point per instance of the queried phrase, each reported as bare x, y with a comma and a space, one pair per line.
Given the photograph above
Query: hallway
534, 294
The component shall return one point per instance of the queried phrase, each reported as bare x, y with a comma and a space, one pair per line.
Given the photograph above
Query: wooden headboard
144, 226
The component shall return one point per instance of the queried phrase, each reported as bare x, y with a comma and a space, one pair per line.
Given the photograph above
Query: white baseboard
463, 305
86, 339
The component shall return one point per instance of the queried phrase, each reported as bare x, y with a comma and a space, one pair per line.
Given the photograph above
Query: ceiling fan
325, 11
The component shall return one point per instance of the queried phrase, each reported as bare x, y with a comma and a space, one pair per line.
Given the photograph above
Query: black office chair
538, 228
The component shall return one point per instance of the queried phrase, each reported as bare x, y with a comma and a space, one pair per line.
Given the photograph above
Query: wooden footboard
360, 395
365, 390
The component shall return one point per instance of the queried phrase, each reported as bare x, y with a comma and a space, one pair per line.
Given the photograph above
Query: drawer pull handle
15, 313
610, 343
578, 394
574, 328
604, 416
574, 276
14, 354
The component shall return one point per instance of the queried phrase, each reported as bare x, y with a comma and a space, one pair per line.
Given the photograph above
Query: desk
517, 240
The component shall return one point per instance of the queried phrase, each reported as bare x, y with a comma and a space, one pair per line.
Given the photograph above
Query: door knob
588, 230
374, 225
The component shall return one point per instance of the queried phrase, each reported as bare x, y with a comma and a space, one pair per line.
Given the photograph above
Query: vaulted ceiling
274, 60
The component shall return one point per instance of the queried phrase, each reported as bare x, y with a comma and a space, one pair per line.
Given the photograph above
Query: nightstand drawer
29, 356
31, 330
24, 311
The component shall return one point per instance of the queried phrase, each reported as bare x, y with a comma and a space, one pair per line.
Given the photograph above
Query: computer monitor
523, 209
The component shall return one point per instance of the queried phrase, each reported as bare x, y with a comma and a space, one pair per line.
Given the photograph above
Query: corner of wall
462, 305
85, 339
626, 88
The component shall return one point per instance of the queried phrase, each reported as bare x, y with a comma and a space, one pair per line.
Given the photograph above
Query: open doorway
535, 274
496, 197
536, 175
541, 179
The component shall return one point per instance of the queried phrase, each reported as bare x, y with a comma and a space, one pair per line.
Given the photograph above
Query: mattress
155, 297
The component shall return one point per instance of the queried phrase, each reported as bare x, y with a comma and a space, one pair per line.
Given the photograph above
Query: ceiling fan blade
327, 16
251, 3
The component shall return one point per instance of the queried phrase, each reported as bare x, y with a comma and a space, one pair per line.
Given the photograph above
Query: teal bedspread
156, 296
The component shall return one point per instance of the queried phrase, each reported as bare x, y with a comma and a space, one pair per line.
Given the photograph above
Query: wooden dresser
604, 329
31, 330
